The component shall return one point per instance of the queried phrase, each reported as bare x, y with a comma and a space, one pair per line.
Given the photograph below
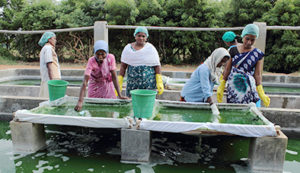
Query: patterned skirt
241, 87
140, 77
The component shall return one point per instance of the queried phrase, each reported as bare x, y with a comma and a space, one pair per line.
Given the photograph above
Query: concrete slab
135, 145
267, 154
27, 137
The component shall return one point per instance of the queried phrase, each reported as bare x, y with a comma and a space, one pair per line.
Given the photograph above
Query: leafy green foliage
243, 12
174, 47
283, 46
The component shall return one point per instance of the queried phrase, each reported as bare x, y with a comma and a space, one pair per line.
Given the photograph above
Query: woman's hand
159, 84
78, 107
123, 97
220, 90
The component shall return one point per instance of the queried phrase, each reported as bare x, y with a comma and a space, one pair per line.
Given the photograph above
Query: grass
7, 61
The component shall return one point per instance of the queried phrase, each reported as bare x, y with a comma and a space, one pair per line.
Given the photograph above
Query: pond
73, 149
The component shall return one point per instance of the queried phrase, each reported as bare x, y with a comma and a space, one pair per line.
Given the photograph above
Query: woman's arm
50, 70
227, 69
78, 107
116, 84
123, 69
157, 69
258, 72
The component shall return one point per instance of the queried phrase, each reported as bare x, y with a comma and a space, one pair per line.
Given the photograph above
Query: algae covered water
73, 149
160, 113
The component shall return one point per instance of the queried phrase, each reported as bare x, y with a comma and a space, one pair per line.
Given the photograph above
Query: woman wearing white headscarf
141, 61
49, 66
199, 88
243, 72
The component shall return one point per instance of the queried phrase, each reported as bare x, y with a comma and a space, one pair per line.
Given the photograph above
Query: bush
283, 46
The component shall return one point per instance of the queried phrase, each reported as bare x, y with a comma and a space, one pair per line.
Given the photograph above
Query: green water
73, 149
33, 82
160, 113
88, 110
281, 90
205, 115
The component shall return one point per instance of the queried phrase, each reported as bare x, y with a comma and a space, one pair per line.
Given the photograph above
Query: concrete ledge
27, 137
135, 145
267, 154
10, 104
172, 74
286, 118
4, 116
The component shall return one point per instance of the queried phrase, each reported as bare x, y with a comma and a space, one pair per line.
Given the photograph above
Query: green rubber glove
266, 100
220, 90
159, 84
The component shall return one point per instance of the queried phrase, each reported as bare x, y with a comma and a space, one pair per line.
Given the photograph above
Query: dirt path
79, 66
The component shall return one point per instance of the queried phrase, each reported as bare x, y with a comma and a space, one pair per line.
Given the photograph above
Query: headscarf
214, 59
250, 29
141, 29
45, 37
101, 45
229, 36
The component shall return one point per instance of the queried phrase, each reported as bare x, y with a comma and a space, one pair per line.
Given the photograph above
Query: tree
8, 20
243, 12
283, 46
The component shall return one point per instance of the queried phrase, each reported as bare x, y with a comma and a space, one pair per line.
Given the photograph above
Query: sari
241, 83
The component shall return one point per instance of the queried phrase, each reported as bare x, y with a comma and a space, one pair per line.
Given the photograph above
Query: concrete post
267, 154
100, 31
135, 145
261, 40
27, 137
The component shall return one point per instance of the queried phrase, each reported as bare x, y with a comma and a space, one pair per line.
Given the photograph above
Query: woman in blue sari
243, 72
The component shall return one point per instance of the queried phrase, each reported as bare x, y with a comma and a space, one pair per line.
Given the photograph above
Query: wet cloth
100, 81
241, 83
140, 77
200, 86
48, 55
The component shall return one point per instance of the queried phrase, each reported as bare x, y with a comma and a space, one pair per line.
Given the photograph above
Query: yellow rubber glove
221, 88
120, 81
159, 84
266, 99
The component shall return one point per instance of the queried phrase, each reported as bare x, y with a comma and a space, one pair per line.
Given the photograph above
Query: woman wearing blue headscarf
141, 61
49, 66
243, 71
100, 75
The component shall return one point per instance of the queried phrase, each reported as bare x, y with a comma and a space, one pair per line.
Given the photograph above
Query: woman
243, 72
200, 86
49, 66
230, 39
100, 75
141, 61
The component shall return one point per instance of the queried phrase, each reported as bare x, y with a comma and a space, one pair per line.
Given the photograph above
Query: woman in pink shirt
100, 75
